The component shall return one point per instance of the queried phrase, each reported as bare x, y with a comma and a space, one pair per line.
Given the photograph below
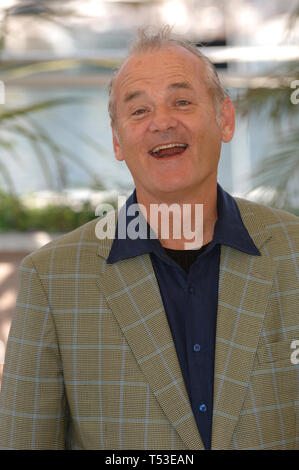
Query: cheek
133, 141
209, 133
131, 134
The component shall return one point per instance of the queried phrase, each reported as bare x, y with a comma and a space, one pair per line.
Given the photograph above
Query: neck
190, 225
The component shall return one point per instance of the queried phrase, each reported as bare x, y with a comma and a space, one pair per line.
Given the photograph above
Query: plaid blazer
91, 362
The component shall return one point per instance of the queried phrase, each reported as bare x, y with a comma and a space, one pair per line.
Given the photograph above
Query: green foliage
279, 168
19, 122
52, 218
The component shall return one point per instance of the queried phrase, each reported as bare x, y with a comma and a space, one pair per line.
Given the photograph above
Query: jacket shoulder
65, 246
276, 221
271, 214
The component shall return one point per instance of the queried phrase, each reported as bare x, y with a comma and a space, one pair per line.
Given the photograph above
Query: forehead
159, 67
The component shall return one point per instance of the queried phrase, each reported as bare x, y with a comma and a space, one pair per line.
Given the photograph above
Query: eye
138, 112
182, 102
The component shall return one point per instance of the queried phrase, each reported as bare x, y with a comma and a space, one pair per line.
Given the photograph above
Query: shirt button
191, 289
203, 408
196, 347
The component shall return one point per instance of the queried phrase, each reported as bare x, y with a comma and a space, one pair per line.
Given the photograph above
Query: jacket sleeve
32, 397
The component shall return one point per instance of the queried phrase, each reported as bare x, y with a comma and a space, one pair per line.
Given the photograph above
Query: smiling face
167, 131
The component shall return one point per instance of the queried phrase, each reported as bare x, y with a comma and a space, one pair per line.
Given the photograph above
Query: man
144, 343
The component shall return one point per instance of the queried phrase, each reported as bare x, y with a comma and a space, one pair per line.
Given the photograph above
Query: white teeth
161, 147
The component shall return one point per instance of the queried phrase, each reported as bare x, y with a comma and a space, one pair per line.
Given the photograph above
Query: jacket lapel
245, 283
132, 291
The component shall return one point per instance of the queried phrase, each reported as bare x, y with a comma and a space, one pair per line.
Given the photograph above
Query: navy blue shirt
190, 299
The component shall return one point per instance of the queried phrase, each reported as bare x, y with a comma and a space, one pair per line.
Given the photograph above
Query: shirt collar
229, 230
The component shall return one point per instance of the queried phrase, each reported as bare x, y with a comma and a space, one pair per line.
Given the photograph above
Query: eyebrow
172, 86
134, 94
184, 85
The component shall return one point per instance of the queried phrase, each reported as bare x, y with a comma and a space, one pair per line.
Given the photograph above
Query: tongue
169, 152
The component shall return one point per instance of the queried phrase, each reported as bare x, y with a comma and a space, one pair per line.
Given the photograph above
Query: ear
116, 145
228, 117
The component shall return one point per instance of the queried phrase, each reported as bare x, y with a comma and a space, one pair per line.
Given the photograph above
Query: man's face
162, 100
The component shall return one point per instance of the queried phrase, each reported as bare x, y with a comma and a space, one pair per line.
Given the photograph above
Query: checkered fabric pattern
91, 363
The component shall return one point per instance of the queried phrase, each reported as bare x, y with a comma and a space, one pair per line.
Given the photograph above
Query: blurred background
56, 157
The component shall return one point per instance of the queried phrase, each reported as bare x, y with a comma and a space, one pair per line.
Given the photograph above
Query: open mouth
168, 150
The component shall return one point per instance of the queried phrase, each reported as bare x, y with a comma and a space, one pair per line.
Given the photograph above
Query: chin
171, 188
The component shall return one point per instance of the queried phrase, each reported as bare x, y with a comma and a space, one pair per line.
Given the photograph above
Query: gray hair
147, 41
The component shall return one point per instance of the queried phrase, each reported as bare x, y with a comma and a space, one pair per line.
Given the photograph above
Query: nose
162, 120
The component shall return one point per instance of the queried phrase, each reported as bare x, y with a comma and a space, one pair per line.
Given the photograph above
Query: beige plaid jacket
91, 363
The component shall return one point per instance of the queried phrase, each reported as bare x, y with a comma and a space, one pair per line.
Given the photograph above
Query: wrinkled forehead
155, 64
